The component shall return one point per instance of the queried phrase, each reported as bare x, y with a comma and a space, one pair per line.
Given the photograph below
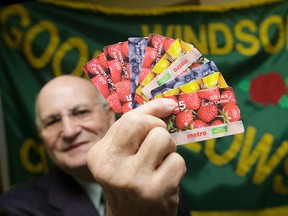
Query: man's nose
70, 128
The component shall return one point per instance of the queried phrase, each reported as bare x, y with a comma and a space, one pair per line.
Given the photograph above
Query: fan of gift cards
133, 72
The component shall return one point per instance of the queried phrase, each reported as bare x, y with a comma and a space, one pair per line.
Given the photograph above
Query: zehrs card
206, 114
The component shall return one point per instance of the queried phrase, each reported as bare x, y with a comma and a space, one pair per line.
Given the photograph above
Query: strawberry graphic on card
117, 56
205, 114
98, 72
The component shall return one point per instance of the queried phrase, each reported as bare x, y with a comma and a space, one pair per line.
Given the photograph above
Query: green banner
245, 174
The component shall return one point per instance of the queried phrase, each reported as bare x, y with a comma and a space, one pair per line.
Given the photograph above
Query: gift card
214, 80
98, 71
192, 75
136, 48
117, 56
206, 114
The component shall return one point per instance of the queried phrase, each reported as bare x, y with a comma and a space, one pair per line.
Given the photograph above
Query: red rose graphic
267, 88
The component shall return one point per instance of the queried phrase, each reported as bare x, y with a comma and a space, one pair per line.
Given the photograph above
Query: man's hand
136, 163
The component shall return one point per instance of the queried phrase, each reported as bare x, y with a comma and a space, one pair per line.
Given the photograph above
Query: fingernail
169, 102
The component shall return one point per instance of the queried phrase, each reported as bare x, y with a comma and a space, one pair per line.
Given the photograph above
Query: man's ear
111, 115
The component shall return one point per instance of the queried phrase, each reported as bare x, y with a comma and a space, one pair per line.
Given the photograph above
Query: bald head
66, 87
66, 81
71, 119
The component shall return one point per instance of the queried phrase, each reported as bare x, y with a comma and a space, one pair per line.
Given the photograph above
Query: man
139, 174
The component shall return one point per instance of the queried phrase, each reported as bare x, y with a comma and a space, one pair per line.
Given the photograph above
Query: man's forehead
77, 90
54, 98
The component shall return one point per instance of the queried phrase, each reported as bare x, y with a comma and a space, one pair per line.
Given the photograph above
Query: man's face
72, 121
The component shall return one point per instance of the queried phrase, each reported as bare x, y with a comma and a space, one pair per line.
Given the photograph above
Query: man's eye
81, 113
52, 122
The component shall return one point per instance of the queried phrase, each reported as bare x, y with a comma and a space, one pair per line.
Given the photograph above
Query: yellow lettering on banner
14, 40
248, 159
245, 163
264, 36
227, 39
157, 29
40, 27
190, 37
96, 53
145, 30
170, 31
246, 37
71, 43
221, 36
195, 147
226, 157
264, 167
28, 146
261, 152
178, 31
279, 185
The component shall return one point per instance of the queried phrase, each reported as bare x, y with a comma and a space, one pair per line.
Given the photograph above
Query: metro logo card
206, 114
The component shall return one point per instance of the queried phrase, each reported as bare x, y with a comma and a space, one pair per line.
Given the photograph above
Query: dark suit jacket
53, 194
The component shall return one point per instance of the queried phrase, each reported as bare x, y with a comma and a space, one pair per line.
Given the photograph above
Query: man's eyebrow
79, 106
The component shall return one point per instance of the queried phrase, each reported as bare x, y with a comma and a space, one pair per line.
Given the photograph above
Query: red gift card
117, 57
98, 71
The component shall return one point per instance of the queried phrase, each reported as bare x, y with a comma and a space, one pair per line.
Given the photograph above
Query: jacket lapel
68, 198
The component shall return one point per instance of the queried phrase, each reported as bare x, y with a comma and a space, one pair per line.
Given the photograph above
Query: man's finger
172, 169
156, 146
160, 108
129, 132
